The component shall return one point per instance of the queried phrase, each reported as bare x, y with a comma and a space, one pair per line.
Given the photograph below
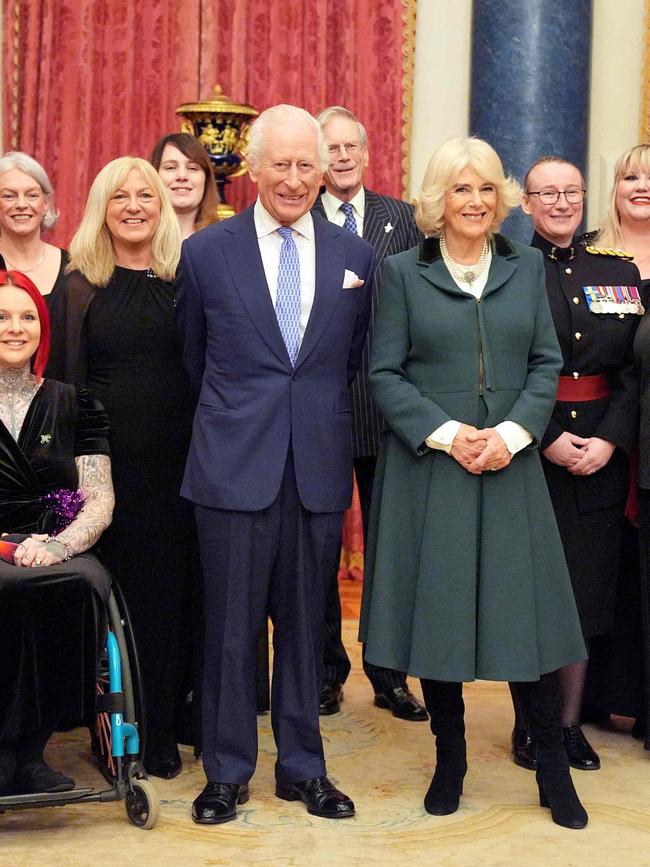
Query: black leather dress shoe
217, 803
523, 749
402, 703
331, 696
579, 751
37, 777
320, 796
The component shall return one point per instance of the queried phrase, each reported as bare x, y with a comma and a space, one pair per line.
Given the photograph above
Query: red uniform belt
584, 388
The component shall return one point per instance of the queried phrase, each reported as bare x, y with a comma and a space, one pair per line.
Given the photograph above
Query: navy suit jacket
252, 403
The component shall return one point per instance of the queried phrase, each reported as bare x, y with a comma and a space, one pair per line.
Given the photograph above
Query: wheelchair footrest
36, 799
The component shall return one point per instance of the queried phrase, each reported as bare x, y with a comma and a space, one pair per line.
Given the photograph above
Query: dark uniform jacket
593, 343
389, 226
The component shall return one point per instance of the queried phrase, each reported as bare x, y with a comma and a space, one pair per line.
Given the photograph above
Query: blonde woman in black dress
115, 331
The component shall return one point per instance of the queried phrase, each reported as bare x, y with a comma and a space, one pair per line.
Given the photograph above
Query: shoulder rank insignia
607, 251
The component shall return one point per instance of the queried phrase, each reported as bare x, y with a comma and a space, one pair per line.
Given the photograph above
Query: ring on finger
38, 561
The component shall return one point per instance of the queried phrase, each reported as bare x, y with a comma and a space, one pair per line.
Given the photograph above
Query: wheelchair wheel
142, 804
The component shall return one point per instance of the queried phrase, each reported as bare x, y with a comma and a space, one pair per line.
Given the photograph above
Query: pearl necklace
464, 273
15, 267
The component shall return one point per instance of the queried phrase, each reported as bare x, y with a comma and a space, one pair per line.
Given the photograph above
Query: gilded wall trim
408, 75
14, 111
644, 132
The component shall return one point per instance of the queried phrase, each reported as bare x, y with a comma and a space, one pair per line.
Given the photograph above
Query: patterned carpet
385, 765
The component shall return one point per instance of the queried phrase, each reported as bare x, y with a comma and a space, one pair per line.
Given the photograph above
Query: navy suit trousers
275, 562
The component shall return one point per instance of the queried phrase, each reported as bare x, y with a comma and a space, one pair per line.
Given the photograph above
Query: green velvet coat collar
430, 249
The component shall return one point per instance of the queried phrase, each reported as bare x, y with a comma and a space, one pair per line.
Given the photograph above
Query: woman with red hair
56, 498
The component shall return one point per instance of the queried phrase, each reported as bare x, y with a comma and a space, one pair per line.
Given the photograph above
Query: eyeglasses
550, 197
350, 148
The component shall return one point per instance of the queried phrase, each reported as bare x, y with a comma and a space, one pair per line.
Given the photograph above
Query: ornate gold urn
223, 128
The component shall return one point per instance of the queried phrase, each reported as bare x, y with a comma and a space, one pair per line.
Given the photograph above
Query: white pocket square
351, 280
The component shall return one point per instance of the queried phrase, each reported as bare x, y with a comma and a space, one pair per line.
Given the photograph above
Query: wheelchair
115, 735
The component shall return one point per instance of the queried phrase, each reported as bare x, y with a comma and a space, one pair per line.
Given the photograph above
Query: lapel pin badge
388, 227
45, 438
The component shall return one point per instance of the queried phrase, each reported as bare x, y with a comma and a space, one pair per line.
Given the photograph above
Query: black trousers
274, 562
336, 664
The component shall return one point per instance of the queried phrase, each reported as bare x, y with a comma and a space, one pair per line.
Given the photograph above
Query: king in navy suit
388, 225
273, 306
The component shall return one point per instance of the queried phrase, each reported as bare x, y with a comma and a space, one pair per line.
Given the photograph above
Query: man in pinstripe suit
388, 225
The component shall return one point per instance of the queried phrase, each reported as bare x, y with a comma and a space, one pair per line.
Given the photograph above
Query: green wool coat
465, 575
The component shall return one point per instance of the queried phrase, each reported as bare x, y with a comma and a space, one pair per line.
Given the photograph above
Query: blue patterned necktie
350, 223
287, 299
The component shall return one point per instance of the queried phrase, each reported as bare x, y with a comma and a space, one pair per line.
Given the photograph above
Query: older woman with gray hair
466, 577
26, 210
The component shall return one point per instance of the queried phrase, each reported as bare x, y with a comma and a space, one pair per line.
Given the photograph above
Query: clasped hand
581, 456
36, 551
479, 450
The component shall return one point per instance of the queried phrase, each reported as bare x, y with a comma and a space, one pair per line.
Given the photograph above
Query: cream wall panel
617, 58
442, 74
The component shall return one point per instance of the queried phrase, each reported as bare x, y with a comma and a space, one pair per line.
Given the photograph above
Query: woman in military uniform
627, 654
594, 298
466, 577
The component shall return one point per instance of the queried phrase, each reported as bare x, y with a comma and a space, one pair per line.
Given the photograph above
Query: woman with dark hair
186, 171
593, 295
56, 499
27, 210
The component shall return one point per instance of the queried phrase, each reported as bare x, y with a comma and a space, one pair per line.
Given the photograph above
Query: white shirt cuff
443, 436
514, 436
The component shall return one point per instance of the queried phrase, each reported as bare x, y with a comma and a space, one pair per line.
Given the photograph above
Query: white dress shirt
514, 435
332, 208
270, 242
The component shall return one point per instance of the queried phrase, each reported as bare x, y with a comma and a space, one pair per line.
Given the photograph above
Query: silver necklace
464, 273
16, 267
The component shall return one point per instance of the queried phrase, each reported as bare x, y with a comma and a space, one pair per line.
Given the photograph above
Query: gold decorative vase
223, 128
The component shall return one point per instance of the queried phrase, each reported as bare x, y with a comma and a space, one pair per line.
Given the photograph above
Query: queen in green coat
466, 576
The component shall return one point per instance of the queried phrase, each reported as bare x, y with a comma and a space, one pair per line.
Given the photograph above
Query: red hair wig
21, 281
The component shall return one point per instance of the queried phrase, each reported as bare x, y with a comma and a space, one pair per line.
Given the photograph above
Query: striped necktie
287, 300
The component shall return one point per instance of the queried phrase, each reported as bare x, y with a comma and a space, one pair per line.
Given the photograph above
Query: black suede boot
444, 702
556, 790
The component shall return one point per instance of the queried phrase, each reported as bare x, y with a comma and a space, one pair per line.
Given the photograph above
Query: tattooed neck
12, 377
17, 389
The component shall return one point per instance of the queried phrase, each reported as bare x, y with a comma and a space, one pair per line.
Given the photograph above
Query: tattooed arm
97, 487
